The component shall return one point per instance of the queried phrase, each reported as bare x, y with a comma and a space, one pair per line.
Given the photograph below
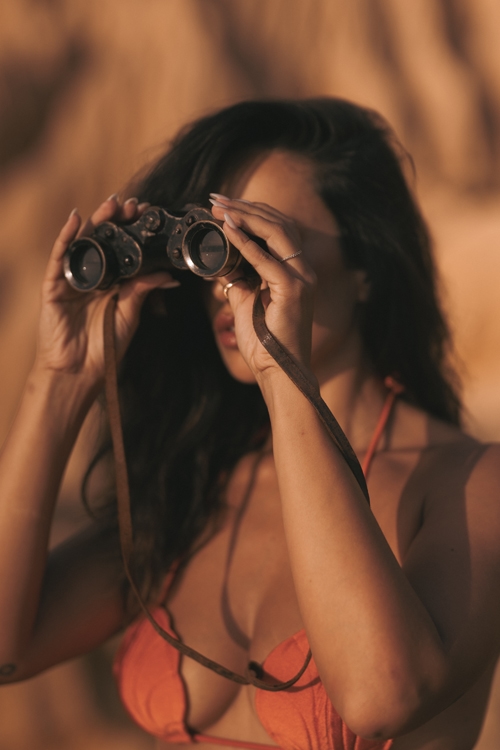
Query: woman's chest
235, 600
241, 580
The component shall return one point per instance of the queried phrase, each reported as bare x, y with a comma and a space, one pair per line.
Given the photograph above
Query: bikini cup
147, 670
151, 687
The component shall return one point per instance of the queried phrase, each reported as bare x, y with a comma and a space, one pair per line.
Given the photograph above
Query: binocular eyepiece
158, 241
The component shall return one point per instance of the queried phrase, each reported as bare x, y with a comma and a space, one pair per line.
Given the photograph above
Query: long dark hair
186, 420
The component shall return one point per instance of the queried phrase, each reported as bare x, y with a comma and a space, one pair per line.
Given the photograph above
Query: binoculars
158, 241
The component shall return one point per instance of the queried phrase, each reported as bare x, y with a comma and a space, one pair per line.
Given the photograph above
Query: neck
353, 393
356, 397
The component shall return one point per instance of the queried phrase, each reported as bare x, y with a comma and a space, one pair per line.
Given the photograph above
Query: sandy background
91, 90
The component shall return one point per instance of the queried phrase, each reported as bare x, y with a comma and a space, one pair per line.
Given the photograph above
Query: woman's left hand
287, 286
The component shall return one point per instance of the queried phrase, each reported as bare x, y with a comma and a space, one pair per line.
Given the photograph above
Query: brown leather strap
290, 367
254, 673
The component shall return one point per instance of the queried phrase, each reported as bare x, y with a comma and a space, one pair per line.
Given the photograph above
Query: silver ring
289, 257
228, 286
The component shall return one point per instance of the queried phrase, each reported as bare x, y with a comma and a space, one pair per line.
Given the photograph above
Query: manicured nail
217, 203
113, 197
219, 197
73, 213
170, 284
230, 221
143, 206
131, 200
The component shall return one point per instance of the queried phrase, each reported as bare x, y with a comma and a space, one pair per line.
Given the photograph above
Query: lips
224, 329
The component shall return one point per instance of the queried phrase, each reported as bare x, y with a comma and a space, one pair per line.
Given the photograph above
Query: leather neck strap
254, 674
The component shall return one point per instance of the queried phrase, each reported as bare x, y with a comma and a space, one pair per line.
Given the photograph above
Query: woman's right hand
70, 338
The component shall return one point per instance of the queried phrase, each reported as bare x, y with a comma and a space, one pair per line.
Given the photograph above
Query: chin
237, 367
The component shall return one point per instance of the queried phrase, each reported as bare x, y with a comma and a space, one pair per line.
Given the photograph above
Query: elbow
381, 712
15, 664
377, 726
8, 673
379, 722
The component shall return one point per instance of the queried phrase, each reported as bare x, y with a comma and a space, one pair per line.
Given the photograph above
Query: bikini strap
393, 390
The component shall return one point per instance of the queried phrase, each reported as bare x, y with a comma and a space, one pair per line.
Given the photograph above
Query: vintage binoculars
189, 240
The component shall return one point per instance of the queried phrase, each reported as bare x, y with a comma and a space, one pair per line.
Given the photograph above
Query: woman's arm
31, 466
387, 656
50, 613
375, 645
394, 646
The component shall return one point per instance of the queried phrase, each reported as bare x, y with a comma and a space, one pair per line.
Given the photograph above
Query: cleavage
229, 600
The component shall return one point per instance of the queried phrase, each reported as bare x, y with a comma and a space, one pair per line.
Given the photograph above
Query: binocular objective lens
208, 250
87, 266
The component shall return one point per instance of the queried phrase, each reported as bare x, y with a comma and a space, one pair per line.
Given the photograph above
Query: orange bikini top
302, 717
147, 671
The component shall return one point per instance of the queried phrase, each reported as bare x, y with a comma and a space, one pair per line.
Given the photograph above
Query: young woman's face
286, 182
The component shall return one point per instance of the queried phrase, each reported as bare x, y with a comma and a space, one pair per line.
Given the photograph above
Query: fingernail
143, 206
170, 284
220, 197
131, 200
217, 203
230, 222
73, 213
113, 197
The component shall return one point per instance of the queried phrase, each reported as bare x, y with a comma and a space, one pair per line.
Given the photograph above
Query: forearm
372, 638
32, 463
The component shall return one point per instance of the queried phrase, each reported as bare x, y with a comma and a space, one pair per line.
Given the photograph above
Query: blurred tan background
90, 90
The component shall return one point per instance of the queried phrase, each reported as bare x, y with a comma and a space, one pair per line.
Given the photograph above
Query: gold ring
228, 286
289, 257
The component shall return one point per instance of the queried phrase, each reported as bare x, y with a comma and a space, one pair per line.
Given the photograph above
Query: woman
252, 537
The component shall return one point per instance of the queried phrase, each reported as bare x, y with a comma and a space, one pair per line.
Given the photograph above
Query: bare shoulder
449, 454
463, 489
467, 491
447, 483
459, 463
452, 557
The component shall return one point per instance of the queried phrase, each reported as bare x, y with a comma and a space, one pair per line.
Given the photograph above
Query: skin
408, 587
